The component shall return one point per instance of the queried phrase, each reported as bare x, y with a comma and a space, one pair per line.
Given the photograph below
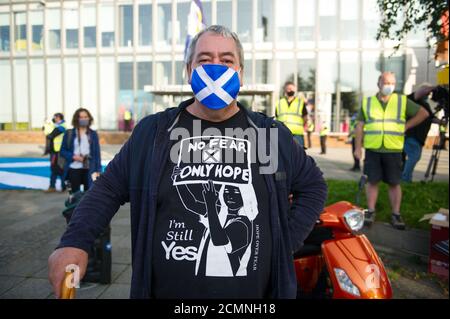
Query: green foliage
418, 199
425, 14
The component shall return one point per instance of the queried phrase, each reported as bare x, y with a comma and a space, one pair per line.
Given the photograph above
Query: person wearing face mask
291, 110
212, 225
54, 132
81, 151
382, 122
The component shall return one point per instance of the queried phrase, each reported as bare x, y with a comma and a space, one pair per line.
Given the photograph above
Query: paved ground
31, 224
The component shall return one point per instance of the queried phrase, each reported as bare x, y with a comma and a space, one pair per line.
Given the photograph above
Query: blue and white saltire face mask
215, 85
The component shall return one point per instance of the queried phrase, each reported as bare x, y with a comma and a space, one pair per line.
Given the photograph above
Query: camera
440, 96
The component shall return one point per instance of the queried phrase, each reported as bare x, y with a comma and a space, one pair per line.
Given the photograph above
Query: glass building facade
110, 56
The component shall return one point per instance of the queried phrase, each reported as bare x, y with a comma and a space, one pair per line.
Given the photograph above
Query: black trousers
323, 144
78, 177
308, 134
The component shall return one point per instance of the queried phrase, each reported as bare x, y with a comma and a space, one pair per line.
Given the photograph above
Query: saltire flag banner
27, 173
196, 23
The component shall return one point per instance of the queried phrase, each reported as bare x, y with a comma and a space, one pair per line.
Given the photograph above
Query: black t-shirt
420, 132
211, 243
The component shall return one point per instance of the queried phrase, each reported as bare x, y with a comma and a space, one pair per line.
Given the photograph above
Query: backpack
61, 161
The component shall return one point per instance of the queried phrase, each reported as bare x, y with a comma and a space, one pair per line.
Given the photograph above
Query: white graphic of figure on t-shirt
227, 211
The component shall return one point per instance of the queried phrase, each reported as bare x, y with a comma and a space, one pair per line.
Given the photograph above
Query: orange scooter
337, 262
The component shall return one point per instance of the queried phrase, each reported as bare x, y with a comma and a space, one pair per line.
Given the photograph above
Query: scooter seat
313, 243
307, 250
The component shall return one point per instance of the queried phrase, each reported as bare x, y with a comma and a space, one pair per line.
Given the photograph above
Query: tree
431, 15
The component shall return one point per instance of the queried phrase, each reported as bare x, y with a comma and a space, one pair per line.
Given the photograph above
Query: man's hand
358, 153
58, 261
78, 158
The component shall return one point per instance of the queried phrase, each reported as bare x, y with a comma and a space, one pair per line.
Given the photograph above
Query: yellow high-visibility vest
57, 141
291, 115
324, 131
127, 116
48, 127
384, 127
311, 126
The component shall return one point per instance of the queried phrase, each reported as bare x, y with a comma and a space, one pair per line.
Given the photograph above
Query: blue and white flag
196, 23
27, 173
215, 85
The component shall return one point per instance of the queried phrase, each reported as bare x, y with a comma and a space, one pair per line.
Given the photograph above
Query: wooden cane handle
66, 291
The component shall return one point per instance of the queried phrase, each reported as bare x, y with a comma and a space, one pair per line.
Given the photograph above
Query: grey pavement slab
30, 288
116, 291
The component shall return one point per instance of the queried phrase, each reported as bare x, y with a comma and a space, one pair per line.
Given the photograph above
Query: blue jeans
300, 139
413, 151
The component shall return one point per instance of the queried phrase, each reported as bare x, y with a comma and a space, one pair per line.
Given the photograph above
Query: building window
20, 31
71, 25
327, 23
126, 25
371, 68
145, 24
264, 21
6, 89
144, 74
349, 23
306, 74
306, 19
247, 71
163, 72
89, 86
53, 21
285, 20
37, 92
54, 86
4, 32
72, 87
224, 13
37, 30
263, 71
181, 27
207, 9
349, 82
165, 23
144, 98
107, 78
107, 25
126, 76
244, 20
287, 70
89, 24
21, 93
180, 76
371, 21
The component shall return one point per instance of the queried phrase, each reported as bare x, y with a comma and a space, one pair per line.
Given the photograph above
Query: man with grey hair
382, 122
204, 225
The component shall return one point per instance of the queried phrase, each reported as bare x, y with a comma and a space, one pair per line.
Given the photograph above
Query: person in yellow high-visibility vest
54, 133
291, 110
127, 118
382, 122
323, 138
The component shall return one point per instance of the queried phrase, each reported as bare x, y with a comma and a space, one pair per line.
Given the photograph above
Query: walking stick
67, 291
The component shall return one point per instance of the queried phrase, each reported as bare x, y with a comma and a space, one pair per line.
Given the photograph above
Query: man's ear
188, 72
241, 76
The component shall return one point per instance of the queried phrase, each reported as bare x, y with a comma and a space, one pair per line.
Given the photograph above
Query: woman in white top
81, 149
